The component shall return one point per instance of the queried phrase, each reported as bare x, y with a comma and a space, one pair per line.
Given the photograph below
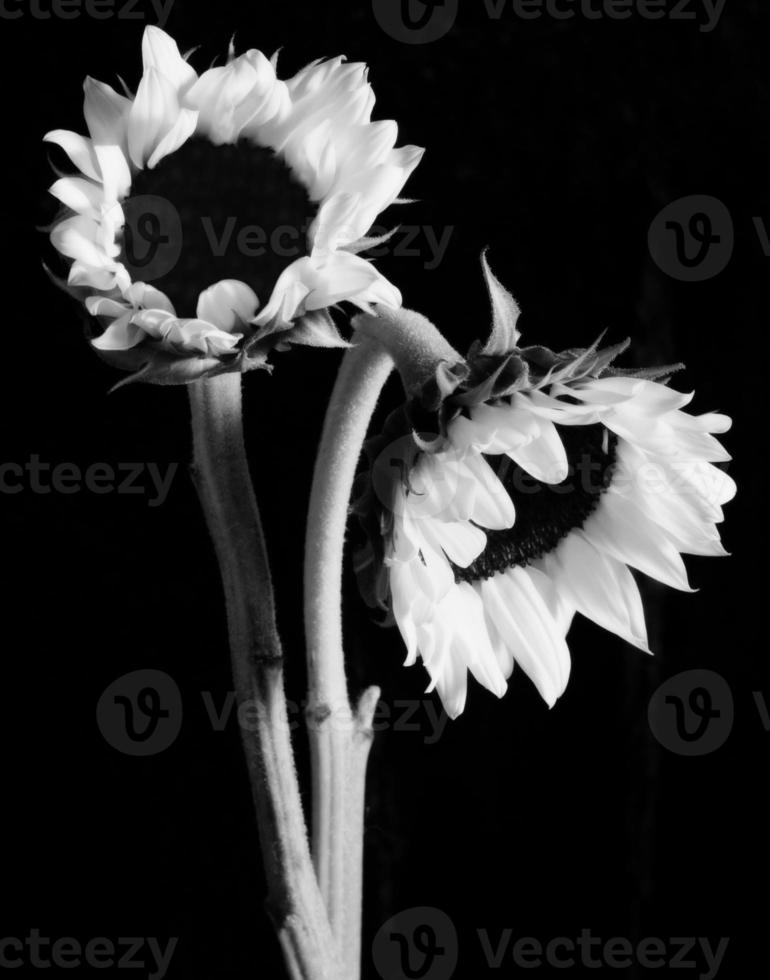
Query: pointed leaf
317, 329
505, 314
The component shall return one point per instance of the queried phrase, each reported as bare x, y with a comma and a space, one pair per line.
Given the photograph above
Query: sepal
505, 314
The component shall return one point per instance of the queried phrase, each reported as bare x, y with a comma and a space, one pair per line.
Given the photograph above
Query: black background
555, 143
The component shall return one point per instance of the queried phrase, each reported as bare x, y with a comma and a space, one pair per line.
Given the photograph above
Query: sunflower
552, 475
163, 177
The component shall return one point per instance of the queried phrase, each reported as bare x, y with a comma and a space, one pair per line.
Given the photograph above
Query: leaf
316, 329
661, 374
372, 241
505, 314
165, 369
604, 358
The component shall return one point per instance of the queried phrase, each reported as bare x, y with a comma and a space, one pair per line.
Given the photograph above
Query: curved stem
221, 474
340, 737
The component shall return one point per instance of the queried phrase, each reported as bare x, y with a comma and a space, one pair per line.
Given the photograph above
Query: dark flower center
207, 213
546, 513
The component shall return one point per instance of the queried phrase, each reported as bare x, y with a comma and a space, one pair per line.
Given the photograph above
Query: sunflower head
216, 217
515, 488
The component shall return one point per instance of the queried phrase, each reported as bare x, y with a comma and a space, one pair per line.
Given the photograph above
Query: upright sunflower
551, 475
298, 163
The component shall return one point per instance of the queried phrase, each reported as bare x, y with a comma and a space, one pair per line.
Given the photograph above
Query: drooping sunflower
216, 216
549, 477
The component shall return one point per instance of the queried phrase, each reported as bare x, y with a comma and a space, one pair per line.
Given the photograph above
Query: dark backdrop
555, 143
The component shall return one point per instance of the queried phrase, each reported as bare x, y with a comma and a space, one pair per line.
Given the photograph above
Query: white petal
105, 306
492, 506
462, 542
142, 294
336, 223
432, 573
600, 587
717, 484
558, 606
179, 133
680, 514
501, 649
699, 445
405, 610
527, 628
121, 334
708, 422
448, 671
227, 304
219, 94
287, 299
543, 625
643, 397
465, 611
105, 112
217, 342
81, 274
156, 322
433, 488
116, 175
555, 409
160, 52
620, 529
314, 161
497, 428
79, 149
153, 114
544, 458
339, 277
364, 146
79, 194
77, 238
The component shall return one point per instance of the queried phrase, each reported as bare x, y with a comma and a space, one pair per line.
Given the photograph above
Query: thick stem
340, 737
221, 474
413, 342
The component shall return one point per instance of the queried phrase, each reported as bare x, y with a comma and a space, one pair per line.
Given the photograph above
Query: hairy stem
340, 735
221, 474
